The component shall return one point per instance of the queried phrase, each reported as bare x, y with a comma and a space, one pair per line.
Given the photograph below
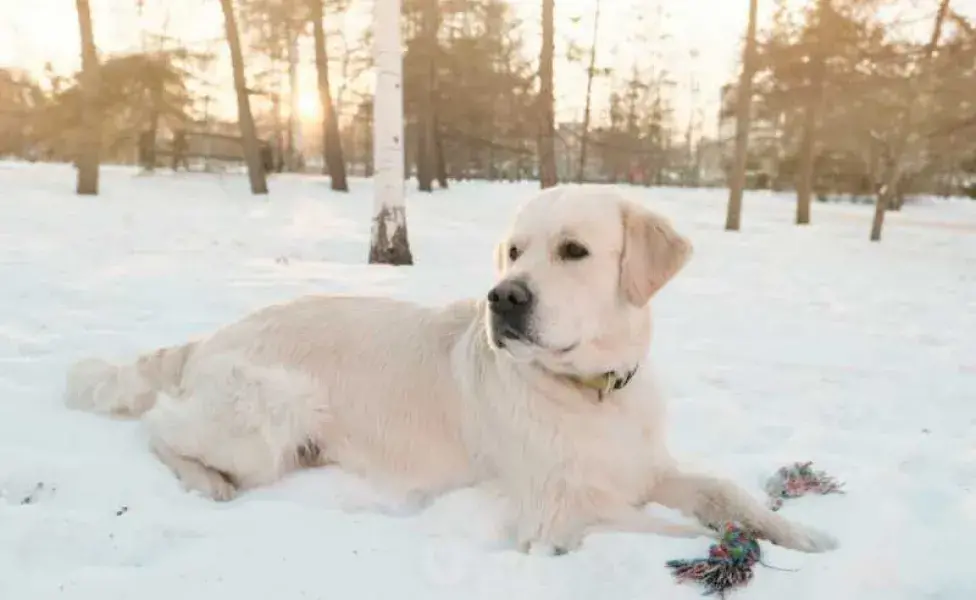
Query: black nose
510, 298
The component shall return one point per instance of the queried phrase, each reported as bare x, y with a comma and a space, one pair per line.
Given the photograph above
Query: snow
776, 344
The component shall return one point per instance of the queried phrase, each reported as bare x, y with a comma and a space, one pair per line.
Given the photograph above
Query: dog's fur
432, 399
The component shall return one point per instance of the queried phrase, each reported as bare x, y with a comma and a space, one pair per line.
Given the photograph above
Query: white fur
425, 400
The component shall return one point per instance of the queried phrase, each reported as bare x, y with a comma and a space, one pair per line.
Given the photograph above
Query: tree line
830, 100
850, 107
477, 101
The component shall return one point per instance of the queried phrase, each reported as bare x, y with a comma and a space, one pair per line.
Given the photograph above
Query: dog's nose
510, 297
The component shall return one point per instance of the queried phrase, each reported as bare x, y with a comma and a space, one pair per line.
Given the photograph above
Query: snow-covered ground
776, 344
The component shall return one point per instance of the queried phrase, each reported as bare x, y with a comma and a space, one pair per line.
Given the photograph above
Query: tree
136, 92
634, 145
888, 105
389, 243
427, 131
484, 104
812, 101
274, 29
590, 74
950, 146
21, 98
88, 155
907, 131
547, 108
249, 139
742, 122
154, 84
826, 87
333, 162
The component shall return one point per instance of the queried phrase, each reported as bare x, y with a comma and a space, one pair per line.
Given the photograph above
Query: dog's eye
514, 253
573, 251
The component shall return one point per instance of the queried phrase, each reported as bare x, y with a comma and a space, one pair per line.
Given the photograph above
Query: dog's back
358, 381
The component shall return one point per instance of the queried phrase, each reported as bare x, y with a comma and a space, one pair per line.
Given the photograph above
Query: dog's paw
808, 539
221, 490
536, 548
548, 545
208, 483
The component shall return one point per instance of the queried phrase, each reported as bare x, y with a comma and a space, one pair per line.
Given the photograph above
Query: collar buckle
608, 382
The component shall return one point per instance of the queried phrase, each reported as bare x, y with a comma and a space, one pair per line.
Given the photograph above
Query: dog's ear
653, 253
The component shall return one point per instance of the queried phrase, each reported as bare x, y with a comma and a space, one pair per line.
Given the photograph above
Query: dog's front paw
806, 539
221, 490
547, 547
541, 549
207, 482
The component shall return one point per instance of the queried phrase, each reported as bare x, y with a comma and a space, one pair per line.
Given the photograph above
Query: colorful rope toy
798, 480
730, 561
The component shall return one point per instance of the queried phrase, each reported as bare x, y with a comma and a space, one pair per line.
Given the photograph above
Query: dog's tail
97, 386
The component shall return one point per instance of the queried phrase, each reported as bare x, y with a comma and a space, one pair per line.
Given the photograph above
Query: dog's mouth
504, 335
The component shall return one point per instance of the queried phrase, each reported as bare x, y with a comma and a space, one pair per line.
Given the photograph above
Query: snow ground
776, 344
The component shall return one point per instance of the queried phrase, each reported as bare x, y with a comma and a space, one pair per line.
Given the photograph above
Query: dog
537, 389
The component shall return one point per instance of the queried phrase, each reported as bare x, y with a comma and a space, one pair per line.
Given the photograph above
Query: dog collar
606, 382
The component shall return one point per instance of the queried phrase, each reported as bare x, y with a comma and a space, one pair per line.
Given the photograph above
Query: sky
696, 41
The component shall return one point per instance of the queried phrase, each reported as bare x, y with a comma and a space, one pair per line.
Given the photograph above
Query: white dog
536, 389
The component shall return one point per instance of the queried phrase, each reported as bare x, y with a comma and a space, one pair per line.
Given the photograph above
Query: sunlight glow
309, 106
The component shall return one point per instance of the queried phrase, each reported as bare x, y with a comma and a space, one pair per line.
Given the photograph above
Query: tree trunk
389, 243
249, 138
425, 175
333, 163
368, 154
811, 111
90, 148
590, 73
743, 109
804, 183
547, 133
907, 135
279, 137
441, 164
877, 223
155, 108
426, 134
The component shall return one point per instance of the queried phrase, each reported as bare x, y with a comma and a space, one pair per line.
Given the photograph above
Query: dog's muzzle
511, 303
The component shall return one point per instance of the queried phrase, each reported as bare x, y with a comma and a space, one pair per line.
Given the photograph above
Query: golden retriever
536, 389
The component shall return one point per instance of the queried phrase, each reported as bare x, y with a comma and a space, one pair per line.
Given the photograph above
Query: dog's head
577, 270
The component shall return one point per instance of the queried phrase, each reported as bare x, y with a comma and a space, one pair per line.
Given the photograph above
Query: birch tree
388, 240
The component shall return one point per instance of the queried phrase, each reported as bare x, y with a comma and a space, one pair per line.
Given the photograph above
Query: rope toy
730, 561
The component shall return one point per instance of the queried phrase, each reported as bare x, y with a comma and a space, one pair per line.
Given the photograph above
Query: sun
309, 106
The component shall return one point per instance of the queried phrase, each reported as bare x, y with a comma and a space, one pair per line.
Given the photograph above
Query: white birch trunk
388, 242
